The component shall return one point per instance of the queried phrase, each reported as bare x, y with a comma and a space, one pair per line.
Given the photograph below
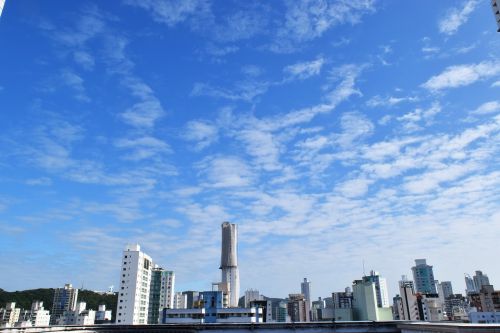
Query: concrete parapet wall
316, 327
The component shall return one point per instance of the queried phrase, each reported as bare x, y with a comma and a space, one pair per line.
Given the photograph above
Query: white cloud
456, 17
304, 70
388, 101
143, 147
463, 75
354, 127
145, 113
171, 12
306, 20
243, 90
496, 84
354, 187
202, 133
42, 181
488, 107
85, 59
2, 4
226, 171
416, 119
74, 81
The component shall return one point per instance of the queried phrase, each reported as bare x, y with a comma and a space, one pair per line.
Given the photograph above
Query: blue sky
331, 132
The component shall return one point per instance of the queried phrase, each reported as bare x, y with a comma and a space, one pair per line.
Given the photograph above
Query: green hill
24, 298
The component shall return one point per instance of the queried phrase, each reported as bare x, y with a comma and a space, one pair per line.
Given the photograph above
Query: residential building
9, 315
480, 280
135, 284
305, 289
79, 316
250, 296
298, 308
423, 277
192, 297
180, 301
380, 288
405, 304
266, 306
161, 293
470, 287
38, 315
65, 299
102, 316
365, 304
317, 308
229, 262
445, 289
456, 307
342, 309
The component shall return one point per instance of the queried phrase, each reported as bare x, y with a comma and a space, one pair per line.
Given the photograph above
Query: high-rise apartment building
180, 301
9, 315
161, 294
229, 262
305, 289
423, 277
135, 284
65, 299
380, 288
480, 280
250, 296
365, 302
470, 287
298, 308
445, 289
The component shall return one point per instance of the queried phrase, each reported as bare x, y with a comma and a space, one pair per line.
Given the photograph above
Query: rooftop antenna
364, 274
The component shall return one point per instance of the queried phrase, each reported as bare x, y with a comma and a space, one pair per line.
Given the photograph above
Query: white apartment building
167, 290
39, 316
9, 315
80, 316
102, 315
135, 281
180, 301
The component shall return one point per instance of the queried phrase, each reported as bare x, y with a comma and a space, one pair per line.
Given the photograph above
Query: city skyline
340, 137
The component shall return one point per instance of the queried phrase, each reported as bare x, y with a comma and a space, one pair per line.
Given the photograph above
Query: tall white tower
229, 262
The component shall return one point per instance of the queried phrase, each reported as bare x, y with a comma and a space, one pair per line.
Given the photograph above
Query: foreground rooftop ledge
311, 327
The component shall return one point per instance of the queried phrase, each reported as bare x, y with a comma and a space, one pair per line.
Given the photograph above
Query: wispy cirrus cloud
172, 12
304, 70
389, 101
202, 133
148, 110
463, 75
456, 17
306, 20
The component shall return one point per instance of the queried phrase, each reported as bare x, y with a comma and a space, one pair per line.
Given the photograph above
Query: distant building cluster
66, 310
147, 296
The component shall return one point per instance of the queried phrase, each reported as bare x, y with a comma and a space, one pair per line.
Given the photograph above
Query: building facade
65, 299
298, 308
423, 276
9, 315
135, 284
